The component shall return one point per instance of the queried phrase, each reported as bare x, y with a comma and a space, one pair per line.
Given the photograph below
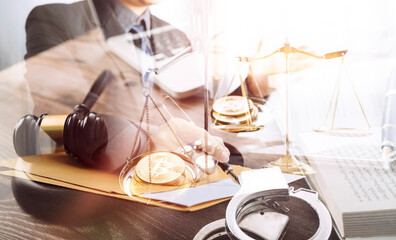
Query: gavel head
26, 135
96, 141
85, 137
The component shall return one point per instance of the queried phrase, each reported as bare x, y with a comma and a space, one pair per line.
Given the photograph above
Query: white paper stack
359, 192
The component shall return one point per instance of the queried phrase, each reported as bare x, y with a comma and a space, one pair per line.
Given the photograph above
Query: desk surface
110, 218
41, 80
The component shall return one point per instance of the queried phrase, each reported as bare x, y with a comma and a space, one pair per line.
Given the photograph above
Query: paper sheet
215, 190
197, 195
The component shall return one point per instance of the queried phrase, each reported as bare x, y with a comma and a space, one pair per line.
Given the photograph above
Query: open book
359, 192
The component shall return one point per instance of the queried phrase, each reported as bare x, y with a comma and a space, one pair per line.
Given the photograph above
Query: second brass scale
240, 113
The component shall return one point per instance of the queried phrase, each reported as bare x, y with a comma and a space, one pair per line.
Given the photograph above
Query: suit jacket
51, 24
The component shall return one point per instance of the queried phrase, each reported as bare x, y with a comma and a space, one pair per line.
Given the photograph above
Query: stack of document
359, 192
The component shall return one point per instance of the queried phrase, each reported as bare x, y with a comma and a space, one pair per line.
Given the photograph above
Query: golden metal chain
139, 128
148, 145
146, 114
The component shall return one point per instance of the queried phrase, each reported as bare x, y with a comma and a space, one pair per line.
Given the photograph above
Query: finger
218, 151
206, 163
188, 132
221, 144
222, 155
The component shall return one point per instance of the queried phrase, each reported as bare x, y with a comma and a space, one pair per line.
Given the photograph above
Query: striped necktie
141, 41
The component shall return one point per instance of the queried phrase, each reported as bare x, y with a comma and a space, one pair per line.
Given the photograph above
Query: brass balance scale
329, 128
154, 171
238, 113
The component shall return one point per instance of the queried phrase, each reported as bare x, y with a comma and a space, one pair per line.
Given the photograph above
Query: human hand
187, 132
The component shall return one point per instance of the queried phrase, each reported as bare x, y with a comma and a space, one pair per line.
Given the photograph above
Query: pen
389, 121
229, 171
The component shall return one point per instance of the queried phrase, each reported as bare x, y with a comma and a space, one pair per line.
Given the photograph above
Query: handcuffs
257, 211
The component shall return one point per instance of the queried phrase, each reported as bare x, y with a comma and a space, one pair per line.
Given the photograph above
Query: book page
364, 187
354, 166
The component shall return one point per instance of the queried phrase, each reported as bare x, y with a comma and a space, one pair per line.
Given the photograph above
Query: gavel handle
97, 88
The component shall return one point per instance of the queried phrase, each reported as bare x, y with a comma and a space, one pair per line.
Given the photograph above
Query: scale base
290, 165
344, 132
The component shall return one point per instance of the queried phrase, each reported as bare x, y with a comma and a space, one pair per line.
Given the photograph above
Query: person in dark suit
101, 141
52, 24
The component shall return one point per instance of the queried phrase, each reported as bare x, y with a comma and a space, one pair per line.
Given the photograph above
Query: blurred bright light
364, 27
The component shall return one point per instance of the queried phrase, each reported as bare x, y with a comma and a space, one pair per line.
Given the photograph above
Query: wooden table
55, 81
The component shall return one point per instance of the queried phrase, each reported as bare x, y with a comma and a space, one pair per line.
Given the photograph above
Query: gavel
97, 141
